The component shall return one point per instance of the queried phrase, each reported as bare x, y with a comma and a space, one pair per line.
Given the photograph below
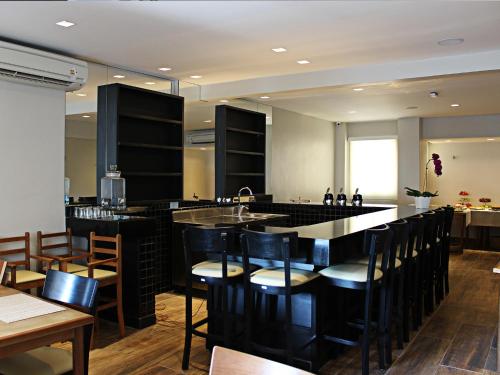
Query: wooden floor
459, 338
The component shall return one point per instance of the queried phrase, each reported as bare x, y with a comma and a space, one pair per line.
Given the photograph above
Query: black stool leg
365, 341
399, 307
406, 301
189, 326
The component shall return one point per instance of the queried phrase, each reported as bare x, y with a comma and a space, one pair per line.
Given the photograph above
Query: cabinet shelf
148, 145
250, 153
237, 130
149, 118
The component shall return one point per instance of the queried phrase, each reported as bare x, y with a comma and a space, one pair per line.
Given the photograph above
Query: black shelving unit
240, 150
141, 131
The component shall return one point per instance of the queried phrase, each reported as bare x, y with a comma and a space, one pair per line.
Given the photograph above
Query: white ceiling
228, 41
477, 94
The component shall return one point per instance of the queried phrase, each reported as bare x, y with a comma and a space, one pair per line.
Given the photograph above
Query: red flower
463, 193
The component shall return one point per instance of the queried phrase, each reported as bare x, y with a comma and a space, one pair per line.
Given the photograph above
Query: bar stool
450, 212
413, 295
215, 242
438, 256
364, 278
278, 281
428, 260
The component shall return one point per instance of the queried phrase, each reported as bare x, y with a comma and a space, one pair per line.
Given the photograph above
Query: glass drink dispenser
113, 189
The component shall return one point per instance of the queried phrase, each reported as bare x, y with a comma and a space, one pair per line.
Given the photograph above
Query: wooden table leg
79, 353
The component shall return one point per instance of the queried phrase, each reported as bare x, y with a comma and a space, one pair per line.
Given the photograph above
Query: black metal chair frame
277, 247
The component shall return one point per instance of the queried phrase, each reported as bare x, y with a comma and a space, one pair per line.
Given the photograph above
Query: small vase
422, 202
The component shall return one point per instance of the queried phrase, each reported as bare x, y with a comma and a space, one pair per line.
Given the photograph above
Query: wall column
409, 134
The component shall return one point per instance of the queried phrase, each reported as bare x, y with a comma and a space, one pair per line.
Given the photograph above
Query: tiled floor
459, 338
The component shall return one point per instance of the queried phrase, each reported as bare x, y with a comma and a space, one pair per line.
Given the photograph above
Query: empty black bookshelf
240, 150
141, 131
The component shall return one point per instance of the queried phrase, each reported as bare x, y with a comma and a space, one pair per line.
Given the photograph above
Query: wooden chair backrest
113, 251
25, 249
66, 238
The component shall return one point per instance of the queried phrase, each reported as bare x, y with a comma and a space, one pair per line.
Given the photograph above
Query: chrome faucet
240, 206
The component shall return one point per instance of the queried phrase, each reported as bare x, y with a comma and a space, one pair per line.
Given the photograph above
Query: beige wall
302, 156
473, 167
32, 162
80, 166
199, 173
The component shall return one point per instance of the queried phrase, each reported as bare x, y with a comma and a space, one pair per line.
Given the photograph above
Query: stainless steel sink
221, 215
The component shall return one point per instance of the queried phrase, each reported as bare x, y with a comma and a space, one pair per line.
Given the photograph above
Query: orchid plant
438, 170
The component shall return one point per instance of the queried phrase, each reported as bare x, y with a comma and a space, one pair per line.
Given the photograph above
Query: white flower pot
422, 202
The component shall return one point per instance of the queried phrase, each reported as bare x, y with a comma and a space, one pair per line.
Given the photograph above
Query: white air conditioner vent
200, 137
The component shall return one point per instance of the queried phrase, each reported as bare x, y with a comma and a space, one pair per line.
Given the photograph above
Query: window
374, 168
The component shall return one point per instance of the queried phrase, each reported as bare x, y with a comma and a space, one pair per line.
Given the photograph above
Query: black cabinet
141, 131
240, 150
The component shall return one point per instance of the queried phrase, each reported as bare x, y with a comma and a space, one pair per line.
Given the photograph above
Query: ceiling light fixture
433, 94
203, 148
65, 23
268, 117
448, 141
412, 107
164, 69
451, 42
118, 76
358, 89
490, 139
207, 121
195, 76
352, 112
150, 83
224, 101
303, 62
265, 97
279, 49
85, 116
81, 94
455, 105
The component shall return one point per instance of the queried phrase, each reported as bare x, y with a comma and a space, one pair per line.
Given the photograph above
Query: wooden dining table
28, 334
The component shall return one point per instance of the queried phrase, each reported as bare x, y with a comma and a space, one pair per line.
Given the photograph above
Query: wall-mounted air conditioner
199, 137
34, 67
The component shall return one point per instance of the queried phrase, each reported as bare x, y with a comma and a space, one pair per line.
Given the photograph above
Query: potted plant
423, 198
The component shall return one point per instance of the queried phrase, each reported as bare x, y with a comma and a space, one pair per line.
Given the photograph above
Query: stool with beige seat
21, 279
215, 243
278, 281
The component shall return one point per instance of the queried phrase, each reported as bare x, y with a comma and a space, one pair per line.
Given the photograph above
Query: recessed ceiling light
81, 94
195, 76
265, 97
451, 42
412, 107
85, 116
433, 94
358, 89
448, 141
455, 105
118, 76
268, 117
303, 62
203, 148
208, 121
223, 100
65, 23
164, 69
352, 112
150, 83
490, 139
279, 49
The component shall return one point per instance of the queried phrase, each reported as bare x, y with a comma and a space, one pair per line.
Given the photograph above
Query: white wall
80, 166
32, 159
461, 127
199, 173
302, 156
409, 130
472, 167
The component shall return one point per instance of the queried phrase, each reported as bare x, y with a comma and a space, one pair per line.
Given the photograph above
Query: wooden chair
22, 279
226, 361
62, 262
365, 278
216, 273
109, 257
273, 282
75, 292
